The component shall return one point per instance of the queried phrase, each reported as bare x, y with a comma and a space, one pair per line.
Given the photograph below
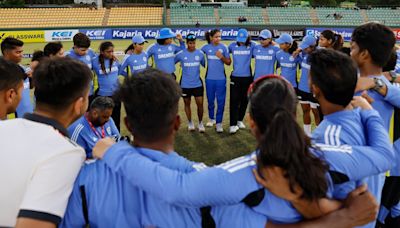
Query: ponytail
301, 166
293, 48
337, 42
282, 142
129, 48
210, 34
104, 46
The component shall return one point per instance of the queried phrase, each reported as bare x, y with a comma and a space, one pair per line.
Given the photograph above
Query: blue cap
308, 41
138, 39
165, 33
284, 38
265, 34
242, 35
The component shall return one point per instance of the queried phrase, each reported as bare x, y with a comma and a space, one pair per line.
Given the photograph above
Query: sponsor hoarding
33, 36
60, 35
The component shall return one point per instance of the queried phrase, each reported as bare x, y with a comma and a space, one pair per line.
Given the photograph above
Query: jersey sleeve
226, 51
358, 162
393, 94
230, 47
178, 57
123, 69
74, 213
202, 59
114, 129
210, 186
50, 186
238, 215
180, 47
150, 50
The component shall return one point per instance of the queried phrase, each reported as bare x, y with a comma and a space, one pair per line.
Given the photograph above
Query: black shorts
189, 92
306, 98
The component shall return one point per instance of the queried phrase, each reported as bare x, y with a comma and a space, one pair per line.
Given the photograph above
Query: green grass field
210, 147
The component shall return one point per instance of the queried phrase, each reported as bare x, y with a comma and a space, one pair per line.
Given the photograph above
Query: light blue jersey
215, 66
241, 56
397, 68
347, 127
108, 80
190, 64
288, 65
82, 133
164, 56
135, 63
86, 59
218, 185
305, 69
25, 105
113, 202
265, 60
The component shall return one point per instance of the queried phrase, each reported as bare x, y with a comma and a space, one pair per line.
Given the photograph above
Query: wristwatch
378, 84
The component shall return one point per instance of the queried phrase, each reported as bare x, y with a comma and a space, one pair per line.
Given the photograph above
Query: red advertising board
397, 33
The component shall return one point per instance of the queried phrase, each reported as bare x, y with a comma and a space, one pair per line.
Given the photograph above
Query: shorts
189, 92
307, 98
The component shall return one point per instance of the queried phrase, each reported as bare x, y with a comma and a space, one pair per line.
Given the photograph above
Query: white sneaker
233, 129
191, 126
241, 125
210, 123
201, 127
219, 128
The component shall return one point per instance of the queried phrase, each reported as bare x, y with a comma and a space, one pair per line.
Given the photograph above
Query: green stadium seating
350, 17
389, 17
289, 16
230, 15
192, 15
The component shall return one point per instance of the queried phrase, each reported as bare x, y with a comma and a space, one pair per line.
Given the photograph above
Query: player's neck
329, 108
370, 70
165, 145
3, 112
136, 52
64, 119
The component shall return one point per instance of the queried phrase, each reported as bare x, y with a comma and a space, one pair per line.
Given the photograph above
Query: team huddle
334, 176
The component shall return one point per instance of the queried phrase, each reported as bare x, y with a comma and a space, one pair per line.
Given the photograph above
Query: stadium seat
127, 16
387, 16
289, 15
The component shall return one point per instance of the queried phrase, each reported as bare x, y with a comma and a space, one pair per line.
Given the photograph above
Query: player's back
31, 154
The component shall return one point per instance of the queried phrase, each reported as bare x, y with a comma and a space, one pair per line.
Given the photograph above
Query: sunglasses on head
191, 37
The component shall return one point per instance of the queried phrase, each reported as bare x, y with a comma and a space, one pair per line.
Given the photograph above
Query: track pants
238, 98
216, 89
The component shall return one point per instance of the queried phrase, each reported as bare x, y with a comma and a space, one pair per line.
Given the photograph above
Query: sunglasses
191, 37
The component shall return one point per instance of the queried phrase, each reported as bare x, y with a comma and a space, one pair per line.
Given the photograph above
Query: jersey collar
41, 119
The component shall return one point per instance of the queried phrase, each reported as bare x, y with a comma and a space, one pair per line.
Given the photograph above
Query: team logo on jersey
144, 59
159, 50
94, 139
222, 51
291, 58
169, 48
108, 130
258, 51
209, 51
88, 58
197, 58
281, 58
185, 58
271, 52
135, 61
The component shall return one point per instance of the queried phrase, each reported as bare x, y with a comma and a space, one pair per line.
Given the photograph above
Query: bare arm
33, 223
360, 208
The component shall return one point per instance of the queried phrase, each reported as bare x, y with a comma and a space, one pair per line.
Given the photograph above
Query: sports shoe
191, 126
241, 125
219, 128
210, 123
201, 127
233, 129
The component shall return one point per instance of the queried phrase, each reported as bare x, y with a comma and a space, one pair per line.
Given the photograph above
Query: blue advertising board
345, 32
